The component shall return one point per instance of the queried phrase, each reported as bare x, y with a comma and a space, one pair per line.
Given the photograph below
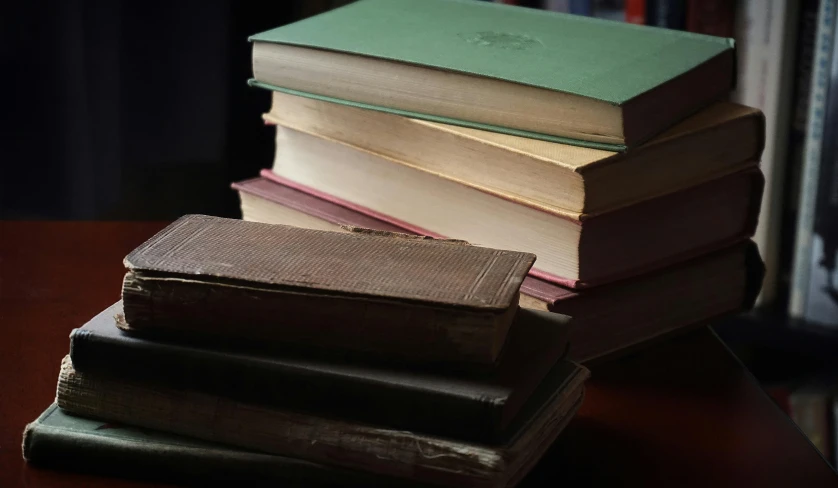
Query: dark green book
520, 71
402, 454
59, 440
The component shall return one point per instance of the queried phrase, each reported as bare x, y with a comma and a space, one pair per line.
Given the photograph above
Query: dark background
129, 109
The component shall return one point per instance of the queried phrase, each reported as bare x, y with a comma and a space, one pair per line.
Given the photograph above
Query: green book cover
608, 61
63, 441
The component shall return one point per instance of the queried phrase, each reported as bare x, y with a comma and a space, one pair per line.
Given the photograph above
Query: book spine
813, 146
255, 380
67, 449
412, 331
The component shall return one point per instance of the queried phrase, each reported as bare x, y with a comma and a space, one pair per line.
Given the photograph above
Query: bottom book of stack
121, 421
63, 441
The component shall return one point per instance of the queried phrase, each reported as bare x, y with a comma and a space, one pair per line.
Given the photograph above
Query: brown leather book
394, 295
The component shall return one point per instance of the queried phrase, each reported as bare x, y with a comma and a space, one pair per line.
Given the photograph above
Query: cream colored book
721, 139
573, 250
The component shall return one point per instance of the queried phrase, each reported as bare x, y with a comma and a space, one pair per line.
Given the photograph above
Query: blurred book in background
774, 41
766, 35
814, 287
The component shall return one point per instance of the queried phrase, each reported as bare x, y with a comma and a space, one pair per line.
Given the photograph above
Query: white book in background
766, 34
814, 285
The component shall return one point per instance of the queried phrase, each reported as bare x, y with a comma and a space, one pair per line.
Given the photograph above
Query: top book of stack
394, 296
543, 75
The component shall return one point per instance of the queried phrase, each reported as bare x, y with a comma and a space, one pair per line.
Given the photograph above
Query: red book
636, 11
609, 318
713, 17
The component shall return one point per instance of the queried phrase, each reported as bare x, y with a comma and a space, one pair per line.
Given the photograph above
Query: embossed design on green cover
609, 61
501, 40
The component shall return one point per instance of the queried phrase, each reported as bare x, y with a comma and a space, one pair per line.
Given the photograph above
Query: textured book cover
342, 216
58, 440
599, 60
395, 295
370, 448
469, 406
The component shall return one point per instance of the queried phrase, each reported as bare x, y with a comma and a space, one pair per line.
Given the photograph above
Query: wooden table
682, 413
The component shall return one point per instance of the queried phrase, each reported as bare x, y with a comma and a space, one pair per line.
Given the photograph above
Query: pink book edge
318, 207
575, 285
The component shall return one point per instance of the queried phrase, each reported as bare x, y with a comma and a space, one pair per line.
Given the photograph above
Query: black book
470, 406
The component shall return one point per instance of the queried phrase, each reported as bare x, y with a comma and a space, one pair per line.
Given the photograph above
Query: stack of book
604, 148
289, 354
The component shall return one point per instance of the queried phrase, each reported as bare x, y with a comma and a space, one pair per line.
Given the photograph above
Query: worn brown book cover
331, 440
395, 295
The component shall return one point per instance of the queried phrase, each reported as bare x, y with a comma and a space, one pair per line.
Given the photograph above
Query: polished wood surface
681, 413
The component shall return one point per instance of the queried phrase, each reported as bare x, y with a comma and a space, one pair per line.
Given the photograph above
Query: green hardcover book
545, 75
59, 440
